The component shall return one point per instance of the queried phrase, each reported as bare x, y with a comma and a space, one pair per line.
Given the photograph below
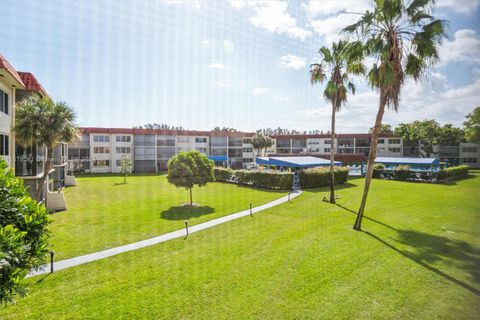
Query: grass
104, 213
418, 257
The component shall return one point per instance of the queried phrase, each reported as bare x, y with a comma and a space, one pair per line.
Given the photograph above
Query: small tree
261, 141
125, 167
23, 235
472, 126
189, 169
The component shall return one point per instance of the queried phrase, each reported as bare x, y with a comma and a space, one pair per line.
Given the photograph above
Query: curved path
72, 262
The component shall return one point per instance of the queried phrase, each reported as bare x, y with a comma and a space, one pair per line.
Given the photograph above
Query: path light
289, 197
186, 228
52, 254
251, 213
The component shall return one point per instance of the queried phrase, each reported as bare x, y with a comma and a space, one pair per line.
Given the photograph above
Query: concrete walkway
68, 263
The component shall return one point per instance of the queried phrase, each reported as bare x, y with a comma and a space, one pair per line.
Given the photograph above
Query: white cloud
467, 7
194, 3
205, 42
292, 62
216, 65
330, 28
273, 16
222, 83
316, 8
228, 46
432, 98
465, 47
260, 91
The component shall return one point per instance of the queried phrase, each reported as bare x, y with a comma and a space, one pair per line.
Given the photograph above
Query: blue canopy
409, 161
218, 158
295, 162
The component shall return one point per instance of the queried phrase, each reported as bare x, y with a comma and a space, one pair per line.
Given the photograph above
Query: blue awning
408, 161
218, 158
295, 162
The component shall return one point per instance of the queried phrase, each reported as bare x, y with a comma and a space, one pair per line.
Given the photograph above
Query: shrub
265, 179
223, 174
23, 235
403, 173
318, 177
378, 170
451, 173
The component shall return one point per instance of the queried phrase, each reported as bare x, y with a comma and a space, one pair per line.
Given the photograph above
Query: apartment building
10, 82
101, 149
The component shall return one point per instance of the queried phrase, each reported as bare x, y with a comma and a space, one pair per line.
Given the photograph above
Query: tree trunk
44, 180
332, 156
191, 201
124, 179
34, 159
371, 160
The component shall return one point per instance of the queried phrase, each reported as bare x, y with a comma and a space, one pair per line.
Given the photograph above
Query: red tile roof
31, 83
4, 64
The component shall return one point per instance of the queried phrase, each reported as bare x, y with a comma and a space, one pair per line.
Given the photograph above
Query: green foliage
23, 235
189, 169
377, 169
125, 167
472, 126
319, 177
261, 141
223, 174
429, 133
459, 172
265, 179
403, 172
385, 128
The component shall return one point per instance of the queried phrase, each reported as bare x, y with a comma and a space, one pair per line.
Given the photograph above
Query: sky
242, 64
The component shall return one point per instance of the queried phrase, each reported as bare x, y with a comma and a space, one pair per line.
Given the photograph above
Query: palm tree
343, 60
402, 37
41, 122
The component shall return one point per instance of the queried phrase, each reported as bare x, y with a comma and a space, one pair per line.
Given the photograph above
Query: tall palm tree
343, 60
402, 37
41, 122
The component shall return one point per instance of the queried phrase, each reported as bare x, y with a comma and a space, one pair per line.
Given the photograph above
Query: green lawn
418, 258
104, 213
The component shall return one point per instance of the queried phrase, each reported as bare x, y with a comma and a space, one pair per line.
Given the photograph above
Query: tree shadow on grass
426, 249
186, 212
337, 187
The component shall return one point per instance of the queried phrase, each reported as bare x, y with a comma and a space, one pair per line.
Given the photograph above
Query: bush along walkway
183, 233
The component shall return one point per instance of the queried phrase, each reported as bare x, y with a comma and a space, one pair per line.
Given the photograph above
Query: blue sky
240, 64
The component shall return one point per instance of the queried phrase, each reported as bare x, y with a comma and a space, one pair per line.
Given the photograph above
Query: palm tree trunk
371, 159
44, 179
332, 156
191, 199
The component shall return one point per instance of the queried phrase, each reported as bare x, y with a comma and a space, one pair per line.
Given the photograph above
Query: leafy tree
385, 128
261, 141
338, 64
472, 126
224, 129
161, 126
41, 122
23, 235
125, 167
402, 38
189, 169
428, 133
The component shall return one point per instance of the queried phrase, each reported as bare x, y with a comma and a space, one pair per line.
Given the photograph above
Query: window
97, 138
247, 150
4, 145
247, 140
200, 140
3, 101
393, 141
395, 150
101, 150
124, 150
183, 139
123, 138
469, 149
101, 163
326, 150
313, 142
381, 141
202, 150
328, 142
469, 160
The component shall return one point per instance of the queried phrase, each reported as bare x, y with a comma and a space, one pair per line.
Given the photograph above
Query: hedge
404, 173
451, 173
264, 179
223, 174
318, 177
